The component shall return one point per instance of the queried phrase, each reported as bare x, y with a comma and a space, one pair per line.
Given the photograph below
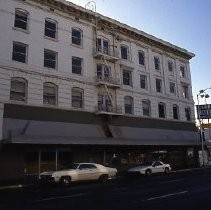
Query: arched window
128, 101
21, 19
77, 97
49, 93
18, 89
175, 112
161, 110
146, 107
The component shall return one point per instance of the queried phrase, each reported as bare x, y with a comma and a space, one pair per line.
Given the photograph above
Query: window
21, 19
172, 87
19, 52
185, 92
127, 77
170, 66
18, 89
143, 81
162, 110
188, 114
104, 102
50, 59
146, 108
103, 72
77, 37
124, 52
128, 105
49, 93
157, 63
77, 98
175, 112
158, 85
182, 72
51, 28
141, 58
103, 46
76, 65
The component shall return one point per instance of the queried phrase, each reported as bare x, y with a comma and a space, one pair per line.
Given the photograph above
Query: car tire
148, 172
166, 170
65, 181
103, 178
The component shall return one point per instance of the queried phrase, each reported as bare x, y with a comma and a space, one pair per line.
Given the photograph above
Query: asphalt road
175, 191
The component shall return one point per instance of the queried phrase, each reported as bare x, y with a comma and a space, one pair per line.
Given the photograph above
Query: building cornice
115, 27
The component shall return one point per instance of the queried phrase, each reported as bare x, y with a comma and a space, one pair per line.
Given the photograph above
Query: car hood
46, 173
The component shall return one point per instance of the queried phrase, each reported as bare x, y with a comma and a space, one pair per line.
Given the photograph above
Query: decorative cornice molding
114, 26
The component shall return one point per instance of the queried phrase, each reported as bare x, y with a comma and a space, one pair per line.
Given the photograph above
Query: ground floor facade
37, 139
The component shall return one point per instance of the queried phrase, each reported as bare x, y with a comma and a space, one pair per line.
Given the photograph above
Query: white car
149, 168
79, 172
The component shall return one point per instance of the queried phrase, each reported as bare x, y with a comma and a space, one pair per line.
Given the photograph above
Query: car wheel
65, 181
166, 170
103, 178
148, 172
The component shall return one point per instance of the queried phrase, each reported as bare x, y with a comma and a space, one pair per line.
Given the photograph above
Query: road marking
175, 180
63, 197
167, 195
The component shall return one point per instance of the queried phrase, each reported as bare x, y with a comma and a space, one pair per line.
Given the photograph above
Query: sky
185, 23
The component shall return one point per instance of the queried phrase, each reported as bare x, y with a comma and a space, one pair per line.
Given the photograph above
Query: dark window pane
146, 107
126, 78
124, 52
175, 113
77, 98
50, 29
18, 90
143, 81
187, 114
157, 63
76, 37
141, 58
158, 85
161, 110
76, 65
21, 20
49, 94
170, 66
49, 59
19, 53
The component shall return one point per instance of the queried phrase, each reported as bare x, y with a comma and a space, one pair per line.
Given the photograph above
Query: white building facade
79, 86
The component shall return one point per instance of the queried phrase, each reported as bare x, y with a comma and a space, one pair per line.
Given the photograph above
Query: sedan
79, 172
149, 168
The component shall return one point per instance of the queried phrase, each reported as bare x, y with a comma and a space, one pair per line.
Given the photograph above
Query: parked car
149, 168
79, 172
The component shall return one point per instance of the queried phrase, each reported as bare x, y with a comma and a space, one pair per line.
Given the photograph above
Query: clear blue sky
185, 23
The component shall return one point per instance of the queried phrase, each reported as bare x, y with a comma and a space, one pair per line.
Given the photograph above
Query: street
178, 190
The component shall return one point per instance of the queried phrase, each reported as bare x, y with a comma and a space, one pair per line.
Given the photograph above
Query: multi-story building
78, 86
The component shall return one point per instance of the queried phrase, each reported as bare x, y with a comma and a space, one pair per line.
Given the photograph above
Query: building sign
204, 111
206, 125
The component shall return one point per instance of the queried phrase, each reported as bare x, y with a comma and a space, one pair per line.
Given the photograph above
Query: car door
158, 167
86, 172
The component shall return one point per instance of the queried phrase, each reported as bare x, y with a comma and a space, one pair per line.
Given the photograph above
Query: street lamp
202, 94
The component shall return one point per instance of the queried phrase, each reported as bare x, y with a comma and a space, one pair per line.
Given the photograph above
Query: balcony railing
107, 80
108, 52
108, 109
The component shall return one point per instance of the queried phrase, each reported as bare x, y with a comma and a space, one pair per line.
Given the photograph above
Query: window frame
124, 57
170, 88
143, 81
163, 113
25, 54
80, 67
48, 31
14, 92
157, 63
159, 89
77, 38
77, 100
129, 107
55, 60
170, 66
175, 112
182, 71
23, 13
185, 91
146, 112
141, 59
127, 81
47, 95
